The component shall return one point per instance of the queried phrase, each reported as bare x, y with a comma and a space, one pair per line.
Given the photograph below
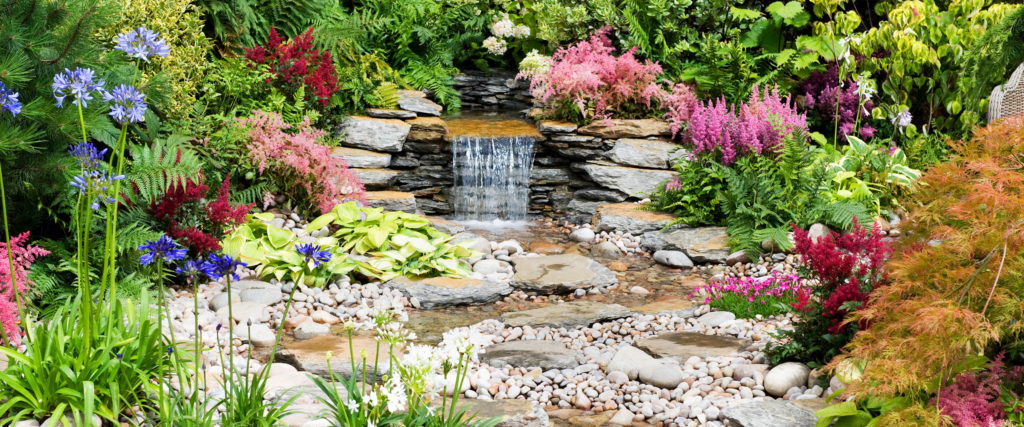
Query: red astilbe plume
220, 211
204, 222
23, 256
973, 397
297, 63
193, 238
954, 293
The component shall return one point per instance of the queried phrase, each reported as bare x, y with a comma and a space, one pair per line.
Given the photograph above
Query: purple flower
95, 184
142, 43
193, 269
223, 265
126, 104
9, 100
87, 155
902, 119
77, 84
163, 248
313, 253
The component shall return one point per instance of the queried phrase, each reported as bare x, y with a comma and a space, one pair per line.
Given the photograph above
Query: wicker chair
1008, 99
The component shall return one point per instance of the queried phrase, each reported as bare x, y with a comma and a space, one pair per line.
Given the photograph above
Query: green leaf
278, 237
785, 11
421, 245
743, 14
376, 237
827, 414
321, 222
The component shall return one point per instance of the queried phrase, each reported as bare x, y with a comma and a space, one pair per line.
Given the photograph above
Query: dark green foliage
694, 196
990, 61
247, 22
161, 166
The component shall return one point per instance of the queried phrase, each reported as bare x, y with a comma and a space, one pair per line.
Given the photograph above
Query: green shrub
693, 195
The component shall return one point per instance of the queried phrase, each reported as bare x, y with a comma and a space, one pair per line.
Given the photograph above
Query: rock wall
575, 170
498, 90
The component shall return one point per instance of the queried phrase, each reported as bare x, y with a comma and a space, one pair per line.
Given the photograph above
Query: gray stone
550, 176
565, 273
243, 311
630, 360
586, 208
386, 135
601, 194
626, 128
643, 153
511, 412
661, 375
437, 292
703, 245
607, 250
565, 315
221, 300
675, 259
716, 318
738, 257
784, 377
258, 292
551, 126
447, 227
422, 106
310, 356
769, 413
582, 235
391, 201
680, 346
530, 354
631, 181
380, 113
258, 334
310, 329
817, 231
361, 159
628, 218
376, 179
487, 266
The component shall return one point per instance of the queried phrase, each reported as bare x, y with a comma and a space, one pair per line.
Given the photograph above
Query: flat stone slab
381, 113
566, 315
311, 355
553, 126
626, 128
560, 273
375, 179
395, 201
530, 354
631, 181
770, 413
363, 159
702, 245
419, 105
386, 135
683, 345
670, 307
437, 292
628, 218
445, 226
435, 124
644, 153
511, 412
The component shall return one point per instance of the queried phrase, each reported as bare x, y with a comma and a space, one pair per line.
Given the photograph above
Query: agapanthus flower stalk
127, 104
163, 248
9, 100
142, 43
76, 84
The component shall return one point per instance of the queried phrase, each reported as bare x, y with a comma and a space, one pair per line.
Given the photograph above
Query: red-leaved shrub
23, 256
195, 222
297, 63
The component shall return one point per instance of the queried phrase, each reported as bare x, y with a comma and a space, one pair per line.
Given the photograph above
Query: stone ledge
627, 218
391, 201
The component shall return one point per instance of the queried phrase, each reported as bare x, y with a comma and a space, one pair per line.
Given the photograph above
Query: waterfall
492, 177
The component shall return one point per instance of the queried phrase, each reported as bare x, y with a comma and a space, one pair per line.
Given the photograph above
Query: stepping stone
391, 201
511, 412
375, 179
683, 345
560, 274
626, 128
362, 159
670, 307
310, 356
530, 354
771, 413
644, 153
447, 227
387, 135
566, 315
546, 248
380, 113
625, 217
703, 244
631, 181
438, 292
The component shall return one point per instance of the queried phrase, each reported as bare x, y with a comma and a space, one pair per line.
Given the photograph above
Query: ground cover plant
749, 297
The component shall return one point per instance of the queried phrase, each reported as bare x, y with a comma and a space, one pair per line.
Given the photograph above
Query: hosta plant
868, 172
399, 243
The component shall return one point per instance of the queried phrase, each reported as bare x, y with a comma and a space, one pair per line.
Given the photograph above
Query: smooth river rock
674, 259
565, 315
703, 244
531, 354
564, 273
784, 377
437, 292
387, 135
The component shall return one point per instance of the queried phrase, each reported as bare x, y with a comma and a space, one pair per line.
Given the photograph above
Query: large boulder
631, 181
386, 135
392, 201
567, 315
437, 292
628, 218
626, 128
703, 244
769, 413
784, 377
643, 153
680, 346
363, 159
531, 354
565, 273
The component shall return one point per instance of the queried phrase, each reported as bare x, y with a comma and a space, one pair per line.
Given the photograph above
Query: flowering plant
15, 258
296, 64
822, 90
749, 296
194, 219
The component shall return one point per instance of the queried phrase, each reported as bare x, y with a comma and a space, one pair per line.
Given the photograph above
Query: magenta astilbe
23, 257
300, 160
973, 398
760, 126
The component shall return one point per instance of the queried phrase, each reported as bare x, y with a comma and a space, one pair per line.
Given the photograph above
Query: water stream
492, 177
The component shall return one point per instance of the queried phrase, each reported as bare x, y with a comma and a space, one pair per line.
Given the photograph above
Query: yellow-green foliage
181, 23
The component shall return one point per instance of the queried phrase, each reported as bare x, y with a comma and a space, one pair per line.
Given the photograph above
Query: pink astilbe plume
23, 257
973, 398
301, 161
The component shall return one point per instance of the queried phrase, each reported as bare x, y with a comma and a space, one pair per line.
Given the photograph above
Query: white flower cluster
535, 65
503, 28
465, 342
495, 45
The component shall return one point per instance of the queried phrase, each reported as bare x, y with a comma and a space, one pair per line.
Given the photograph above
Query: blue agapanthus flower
193, 269
77, 84
163, 248
223, 265
313, 253
126, 104
142, 43
95, 184
87, 155
9, 100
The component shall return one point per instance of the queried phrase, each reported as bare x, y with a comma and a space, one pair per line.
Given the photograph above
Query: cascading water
492, 177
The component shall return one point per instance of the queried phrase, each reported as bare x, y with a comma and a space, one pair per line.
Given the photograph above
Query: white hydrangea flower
521, 32
495, 46
503, 28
